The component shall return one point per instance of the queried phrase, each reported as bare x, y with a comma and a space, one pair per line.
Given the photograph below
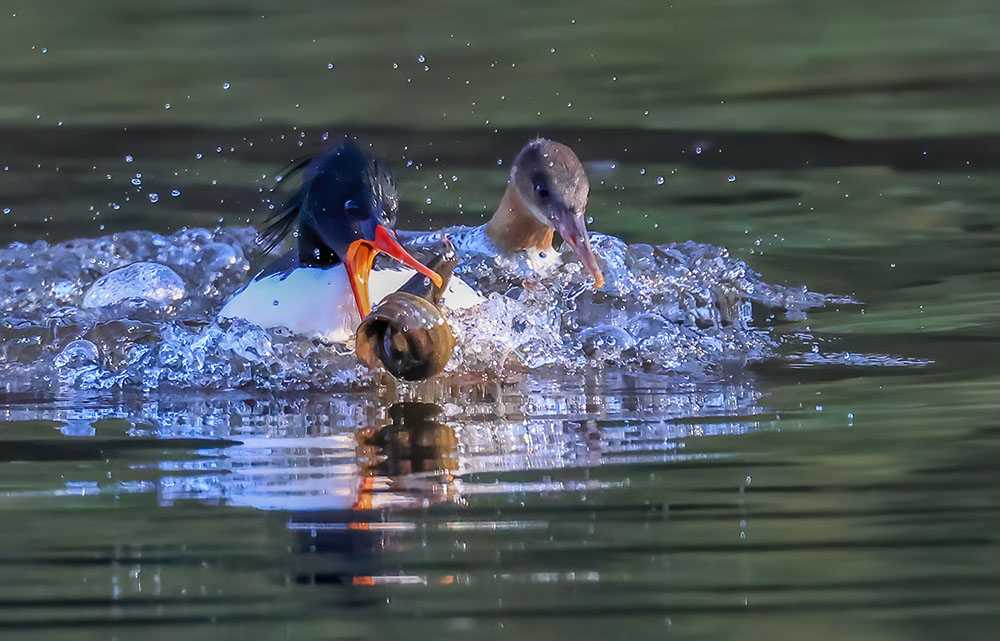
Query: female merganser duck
547, 192
346, 213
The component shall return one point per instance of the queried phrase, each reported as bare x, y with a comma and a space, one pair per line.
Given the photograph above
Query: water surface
845, 486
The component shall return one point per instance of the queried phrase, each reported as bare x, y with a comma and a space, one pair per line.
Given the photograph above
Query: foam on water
137, 310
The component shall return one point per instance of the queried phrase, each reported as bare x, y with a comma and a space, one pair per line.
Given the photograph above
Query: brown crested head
551, 184
550, 180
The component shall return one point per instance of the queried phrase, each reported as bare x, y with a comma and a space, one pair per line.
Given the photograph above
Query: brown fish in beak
407, 333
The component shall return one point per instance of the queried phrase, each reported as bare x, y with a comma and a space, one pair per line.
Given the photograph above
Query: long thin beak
574, 233
361, 255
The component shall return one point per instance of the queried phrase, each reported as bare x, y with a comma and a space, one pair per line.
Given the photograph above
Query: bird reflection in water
414, 454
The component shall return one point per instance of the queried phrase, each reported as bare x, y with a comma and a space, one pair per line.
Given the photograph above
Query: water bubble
429, 201
175, 193
148, 281
731, 179
698, 149
154, 197
77, 354
137, 182
659, 180
329, 65
225, 85
45, 49
421, 58
166, 105
129, 158
6, 210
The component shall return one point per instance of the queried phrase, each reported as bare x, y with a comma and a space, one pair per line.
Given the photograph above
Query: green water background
862, 141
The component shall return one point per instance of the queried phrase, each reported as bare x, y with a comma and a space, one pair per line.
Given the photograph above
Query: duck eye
352, 207
542, 191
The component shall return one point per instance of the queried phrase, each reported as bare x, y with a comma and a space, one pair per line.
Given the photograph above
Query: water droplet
198, 156
225, 85
154, 197
6, 210
429, 201
698, 150
329, 65
590, 220
659, 180
129, 158
175, 193
421, 58
166, 105
45, 49
731, 179
137, 182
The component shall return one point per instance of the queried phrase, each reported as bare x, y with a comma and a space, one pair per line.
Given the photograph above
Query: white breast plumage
319, 302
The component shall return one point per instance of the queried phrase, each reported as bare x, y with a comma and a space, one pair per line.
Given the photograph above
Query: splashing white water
138, 310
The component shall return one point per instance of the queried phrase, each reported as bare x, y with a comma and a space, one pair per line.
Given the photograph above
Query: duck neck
313, 252
514, 228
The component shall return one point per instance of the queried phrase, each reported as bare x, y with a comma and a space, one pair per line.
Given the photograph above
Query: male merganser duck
345, 213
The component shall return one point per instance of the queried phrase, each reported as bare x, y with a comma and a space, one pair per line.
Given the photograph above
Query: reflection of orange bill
361, 254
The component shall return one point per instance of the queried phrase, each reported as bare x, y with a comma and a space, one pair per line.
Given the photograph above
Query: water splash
137, 310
